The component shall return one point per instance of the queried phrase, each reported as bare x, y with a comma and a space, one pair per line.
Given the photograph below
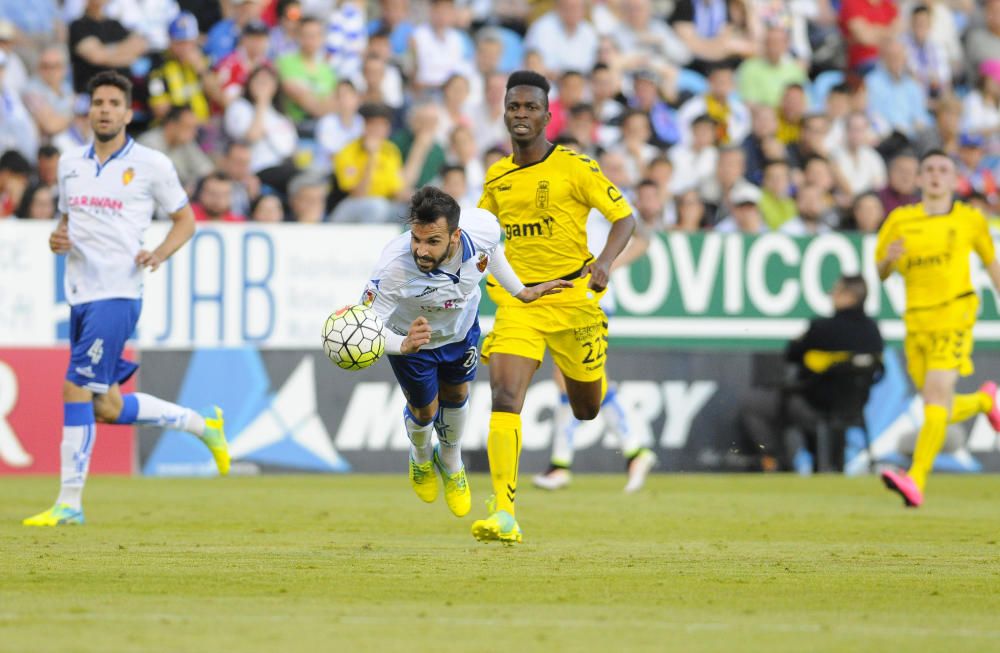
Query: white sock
153, 410
77, 445
450, 426
616, 419
420, 437
562, 437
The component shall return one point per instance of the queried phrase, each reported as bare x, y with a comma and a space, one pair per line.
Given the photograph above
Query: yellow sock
929, 443
504, 449
965, 406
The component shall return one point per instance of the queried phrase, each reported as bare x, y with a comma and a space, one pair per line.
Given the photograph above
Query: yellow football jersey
543, 209
935, 265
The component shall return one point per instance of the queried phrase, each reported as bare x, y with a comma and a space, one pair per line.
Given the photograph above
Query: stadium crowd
801, 116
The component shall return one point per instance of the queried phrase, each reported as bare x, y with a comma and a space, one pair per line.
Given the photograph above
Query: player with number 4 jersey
425, 288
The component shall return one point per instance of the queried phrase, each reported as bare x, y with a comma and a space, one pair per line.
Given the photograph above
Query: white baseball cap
744, 193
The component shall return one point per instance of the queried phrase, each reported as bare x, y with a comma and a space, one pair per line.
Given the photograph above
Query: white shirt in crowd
276, 144
109, 208
437, 59
864, 169
448, 297
560, 50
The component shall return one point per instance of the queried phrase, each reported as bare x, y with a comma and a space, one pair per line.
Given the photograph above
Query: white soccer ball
353, 338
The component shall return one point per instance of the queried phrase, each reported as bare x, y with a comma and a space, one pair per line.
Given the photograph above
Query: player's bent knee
506, 400
106, 409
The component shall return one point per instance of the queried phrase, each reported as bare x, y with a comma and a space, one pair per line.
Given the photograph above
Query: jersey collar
122, 151
468, 249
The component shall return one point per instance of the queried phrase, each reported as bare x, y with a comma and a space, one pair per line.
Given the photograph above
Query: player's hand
419, 335
59, 239
895, 251
531, 293
600, 273
149, 260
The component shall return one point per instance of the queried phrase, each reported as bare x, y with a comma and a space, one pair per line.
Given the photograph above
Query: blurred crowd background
802, 116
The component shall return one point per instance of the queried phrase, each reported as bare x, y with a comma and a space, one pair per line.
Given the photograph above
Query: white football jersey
449, 296
109, 208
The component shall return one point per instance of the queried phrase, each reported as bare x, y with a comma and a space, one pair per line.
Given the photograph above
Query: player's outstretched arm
531, 293
618, 237
501, 270
180, 233
419, 335
59, 239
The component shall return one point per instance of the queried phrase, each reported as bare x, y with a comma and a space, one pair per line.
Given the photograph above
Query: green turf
358, 563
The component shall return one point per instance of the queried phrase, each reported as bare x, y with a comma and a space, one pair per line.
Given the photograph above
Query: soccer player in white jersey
426, 290
108, 192
639, 459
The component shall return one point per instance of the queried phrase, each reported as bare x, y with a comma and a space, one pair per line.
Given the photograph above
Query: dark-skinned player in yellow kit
542, 195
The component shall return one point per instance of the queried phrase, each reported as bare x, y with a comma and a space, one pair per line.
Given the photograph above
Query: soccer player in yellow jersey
542, 195
929, 245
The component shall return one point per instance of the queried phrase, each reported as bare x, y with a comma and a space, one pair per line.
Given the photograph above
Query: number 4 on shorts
96, 351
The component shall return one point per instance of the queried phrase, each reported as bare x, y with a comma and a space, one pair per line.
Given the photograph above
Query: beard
107, 136
434, 263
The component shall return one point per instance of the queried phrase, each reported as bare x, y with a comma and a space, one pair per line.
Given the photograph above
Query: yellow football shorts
940, 339
576, 336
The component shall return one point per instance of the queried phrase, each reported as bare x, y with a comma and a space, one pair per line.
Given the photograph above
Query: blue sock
130, 410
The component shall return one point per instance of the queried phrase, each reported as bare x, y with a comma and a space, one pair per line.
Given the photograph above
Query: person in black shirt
97, 43
779, 422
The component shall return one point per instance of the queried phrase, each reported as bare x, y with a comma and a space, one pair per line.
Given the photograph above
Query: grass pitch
358, 563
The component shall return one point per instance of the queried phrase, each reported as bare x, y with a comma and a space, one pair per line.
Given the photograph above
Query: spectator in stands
650, 211
731, 115
38, 203
346, 37
729, 172
638, 152
570, 91
178, 81
437, 48
695, 163
235, 164
812, 141
583, 129
983, 43
214, 200
455, 182
608, 100
97, 42
818, 171
646, 42
49, 95
858, 164
814, 214
255, 120
691, 212
705, 29
267, 208
282, 36
866, 24
981, 107
307, 81
307, 198
763, 127
661, 171
39, 20
177, 138
418, 145
975, 175
47, 169
564, 38
791, 111
381, 80
335, 130
867, 213
16, 77
926, 60
17, 128
776, 204
894, 94
79, 132
455, 107
394, 21
763, 79
615, 168
252, 52
649, 98
943, 134
746, 217
902, 187
15, 176
225, 34
462, 151
487, 116
370, 171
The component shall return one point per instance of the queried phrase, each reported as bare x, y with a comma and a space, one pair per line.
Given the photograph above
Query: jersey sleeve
488, 202
63, 204
886, 235
982, 241
167, 190
597, 191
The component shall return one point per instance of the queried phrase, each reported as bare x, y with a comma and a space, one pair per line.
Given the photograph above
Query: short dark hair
704, 119
932, 153
450, 168
15, 162
215, 175
856, 286
111, 78
530, 78
48, 151
646, 181
429, 204
175, 112
920, 9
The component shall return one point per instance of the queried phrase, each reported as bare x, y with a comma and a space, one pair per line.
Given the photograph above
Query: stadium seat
821, 87
691, 81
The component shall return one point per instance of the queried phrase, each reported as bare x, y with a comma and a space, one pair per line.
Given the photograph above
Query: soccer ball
353, 338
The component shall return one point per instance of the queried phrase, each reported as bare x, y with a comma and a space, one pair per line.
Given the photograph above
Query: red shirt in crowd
201, 216
874, 12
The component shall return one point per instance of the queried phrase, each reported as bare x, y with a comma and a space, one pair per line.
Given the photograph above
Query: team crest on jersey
483, 261
369, 297
542, 195
128, 176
